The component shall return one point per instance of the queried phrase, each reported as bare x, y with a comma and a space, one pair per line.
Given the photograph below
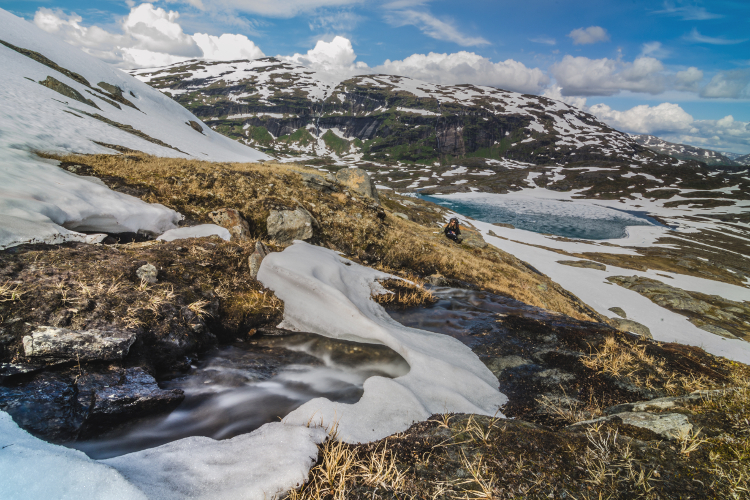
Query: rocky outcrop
472, 238
231, 220
358, 181
67, 91
584, 264
285, 226
628, 325
89, 345
323, 184
711, 313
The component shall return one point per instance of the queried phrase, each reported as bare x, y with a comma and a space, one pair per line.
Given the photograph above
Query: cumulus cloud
555, 92
150, 37
433, 27
592, 34
334, 60
674, 124
688, 79
583, 76
733, 84
468, 67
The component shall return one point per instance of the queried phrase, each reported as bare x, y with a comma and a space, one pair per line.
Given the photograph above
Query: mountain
289, 110
54, 98
743, 160
685, 152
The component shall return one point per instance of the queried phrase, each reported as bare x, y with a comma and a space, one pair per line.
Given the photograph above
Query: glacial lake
568, 219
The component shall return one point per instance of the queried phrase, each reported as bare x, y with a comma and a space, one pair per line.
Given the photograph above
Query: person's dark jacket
452, 231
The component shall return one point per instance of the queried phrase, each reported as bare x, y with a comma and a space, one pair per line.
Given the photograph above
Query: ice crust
39, 201
326, 294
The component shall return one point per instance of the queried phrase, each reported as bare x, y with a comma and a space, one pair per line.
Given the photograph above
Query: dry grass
630, 360
404, 293
570, 410
10, 292
194, 188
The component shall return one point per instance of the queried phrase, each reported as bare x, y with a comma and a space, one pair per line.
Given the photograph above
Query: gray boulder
628, 325
147, 273
231, 220
285, 226
358, 181
585, 264
89, 345
257, 257
325, 184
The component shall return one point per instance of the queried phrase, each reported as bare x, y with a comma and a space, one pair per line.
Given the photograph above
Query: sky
676, 69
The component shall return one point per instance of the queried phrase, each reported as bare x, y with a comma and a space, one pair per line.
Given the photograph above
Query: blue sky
677, 69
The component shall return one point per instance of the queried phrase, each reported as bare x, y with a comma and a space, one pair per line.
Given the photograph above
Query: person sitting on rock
452, 231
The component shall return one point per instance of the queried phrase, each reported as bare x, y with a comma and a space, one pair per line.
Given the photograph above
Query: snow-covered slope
53, 97
683, 151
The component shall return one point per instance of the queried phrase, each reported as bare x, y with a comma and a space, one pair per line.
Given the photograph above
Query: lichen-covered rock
585, 264
472, 238
257, 257
668, 425
358, 181
147, 273
231, 220
619, 311
400, 215
285, 226
89, 345
628, 325
323, 184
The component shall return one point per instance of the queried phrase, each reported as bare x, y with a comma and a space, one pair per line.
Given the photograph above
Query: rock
716, 330
628, 325
660, 404
358, 181
231, 220
668, 425
618, 311
325, 184
400, 215
257, 257
147, 273
498, 365
285, 226
67, 91
503, 224
89, 345
437, 280
108, 399
585, 264
11, 369
195, 126
408, 203
472, 238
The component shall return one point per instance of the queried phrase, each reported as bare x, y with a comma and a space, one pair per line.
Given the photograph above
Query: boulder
585, 264
667, 425
618, 311
400, 215
472, 238
285, 226
358, 181
147, 273
231, 220
89, 345
325, 184
628, 325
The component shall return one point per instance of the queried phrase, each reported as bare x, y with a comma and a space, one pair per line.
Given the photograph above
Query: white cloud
592, 34
654, 49
468, 67
674, 124
280, 8
733, 84
433, 27
227, 47
584, 76
334, 60
555, 92
687, 12
688, 79
695, 36
544, 40
150, 37
337, 22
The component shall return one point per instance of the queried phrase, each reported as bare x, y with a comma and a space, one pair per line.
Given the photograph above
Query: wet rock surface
90, 345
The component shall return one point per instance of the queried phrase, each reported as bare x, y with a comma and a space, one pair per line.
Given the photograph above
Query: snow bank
196, 232
326, 294
39, 201
31, 468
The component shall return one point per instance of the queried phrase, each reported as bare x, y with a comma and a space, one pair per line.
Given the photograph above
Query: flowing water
569, 219
237, 388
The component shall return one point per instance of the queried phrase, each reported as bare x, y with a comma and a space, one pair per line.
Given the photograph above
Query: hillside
685, 152
55, 98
